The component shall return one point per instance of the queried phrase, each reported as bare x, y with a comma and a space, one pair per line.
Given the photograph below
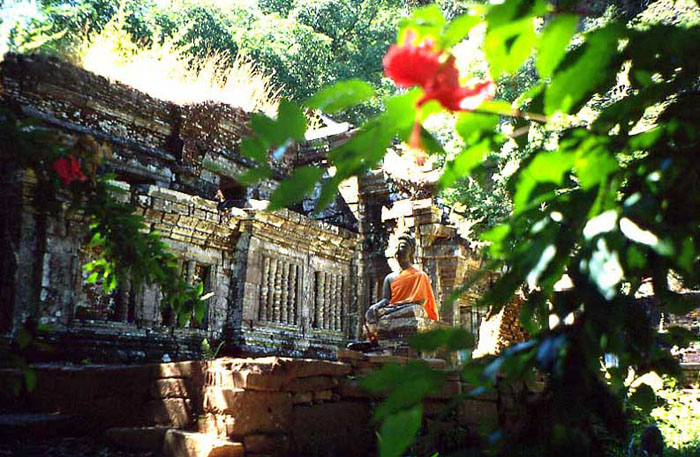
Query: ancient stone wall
292, 281
297, 277
264, 406
282, 282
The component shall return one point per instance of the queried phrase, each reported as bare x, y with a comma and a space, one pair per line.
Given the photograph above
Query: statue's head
405, 250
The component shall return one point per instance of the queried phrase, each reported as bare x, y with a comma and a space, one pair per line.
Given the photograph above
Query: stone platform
249, 407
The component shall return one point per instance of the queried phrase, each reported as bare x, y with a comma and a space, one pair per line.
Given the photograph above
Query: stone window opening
328, 304
133, 178
201, 273
230, 194
279, 294
471, 318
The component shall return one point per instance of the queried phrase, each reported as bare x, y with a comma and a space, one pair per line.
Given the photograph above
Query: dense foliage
304, 45
607, 194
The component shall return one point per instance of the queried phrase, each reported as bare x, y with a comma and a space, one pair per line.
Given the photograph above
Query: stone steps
140, 439
171, 442
179, 443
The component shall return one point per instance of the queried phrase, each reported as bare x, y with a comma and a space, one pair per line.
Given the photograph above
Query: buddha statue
408, 302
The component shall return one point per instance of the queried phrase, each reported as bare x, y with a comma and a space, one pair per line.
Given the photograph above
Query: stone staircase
247, 407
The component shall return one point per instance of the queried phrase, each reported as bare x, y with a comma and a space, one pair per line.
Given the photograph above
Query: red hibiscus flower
69, 170
412, 65
444, 87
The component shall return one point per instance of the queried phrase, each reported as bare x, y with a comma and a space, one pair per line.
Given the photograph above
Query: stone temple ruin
285, 282
288, 283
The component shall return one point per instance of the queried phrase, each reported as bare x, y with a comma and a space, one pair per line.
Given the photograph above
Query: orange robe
412, 286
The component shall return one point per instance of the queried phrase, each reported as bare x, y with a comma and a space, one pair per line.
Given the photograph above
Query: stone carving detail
278, 294
329, 302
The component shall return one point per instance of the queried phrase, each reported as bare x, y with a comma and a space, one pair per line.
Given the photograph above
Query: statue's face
404, 250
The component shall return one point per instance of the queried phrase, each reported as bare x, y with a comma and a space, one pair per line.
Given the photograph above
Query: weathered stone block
450, 389
301, 368
323, 395
302, 397
435, 363
310, 384
380, 359
257, 380
337, 429
351, 388
178, 443
178, 369
144, 439
266, 444
253, 412
169, 388
401, 328
346, 355
433, 408
176, 412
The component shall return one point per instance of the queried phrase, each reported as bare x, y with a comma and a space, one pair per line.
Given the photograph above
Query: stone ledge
143, 439
190, 444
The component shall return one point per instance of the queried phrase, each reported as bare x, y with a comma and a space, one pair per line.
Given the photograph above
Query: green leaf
497, 107
428, 142
425, 22
472, 126
110, 283
254, 148
510, 37
400, 111
398, 431
464, 163
458, 30
498, 237
183, 316
588, 69
294, 188
552, 46
594, 167
29, 378
291, 120
200, 310
23, 338
644, 398
93, 278
329, 190
254, 175
341, 96
387, 377
267, 129
546, 167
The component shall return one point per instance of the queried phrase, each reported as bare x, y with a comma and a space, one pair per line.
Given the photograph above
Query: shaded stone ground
84, 446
